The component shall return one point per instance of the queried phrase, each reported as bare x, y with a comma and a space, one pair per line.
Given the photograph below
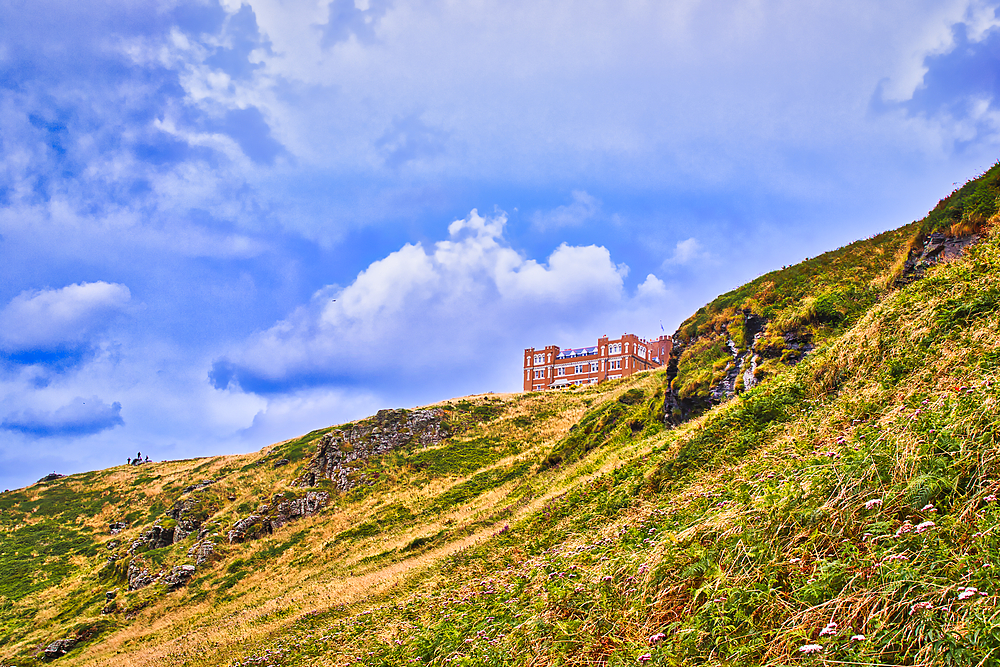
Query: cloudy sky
223, 224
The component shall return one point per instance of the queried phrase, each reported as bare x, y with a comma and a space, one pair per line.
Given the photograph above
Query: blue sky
223, 224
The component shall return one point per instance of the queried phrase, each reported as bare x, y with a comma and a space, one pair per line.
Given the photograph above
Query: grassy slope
816, 300
426, 504
739, 536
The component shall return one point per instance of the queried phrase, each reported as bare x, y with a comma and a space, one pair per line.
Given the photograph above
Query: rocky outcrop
937, 247
178, 576
139, 576
202, 551
246, 529
279, 512
110, 604
154, 537
188, 516
58, 648
200, 485
740, 372
117, 526
341, 453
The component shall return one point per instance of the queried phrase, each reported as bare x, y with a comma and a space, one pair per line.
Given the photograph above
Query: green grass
477, 485
36, 556
460, 457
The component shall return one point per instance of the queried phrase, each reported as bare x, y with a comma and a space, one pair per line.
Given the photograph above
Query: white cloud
652, 289
300, 411
44, 319
80, 417
686, 252
469, 302
583, 208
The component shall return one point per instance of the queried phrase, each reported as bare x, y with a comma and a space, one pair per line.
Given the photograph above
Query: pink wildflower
928, 508
925, 526
830, 629
857, 638
990, 498
645, 657
810, 648
873, 503
967, 593
657, 638
920, 606
903, 529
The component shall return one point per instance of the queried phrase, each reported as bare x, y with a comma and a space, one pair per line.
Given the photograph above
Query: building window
562, 371
593, 366
578, 368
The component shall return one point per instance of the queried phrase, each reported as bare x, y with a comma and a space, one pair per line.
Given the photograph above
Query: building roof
576, 352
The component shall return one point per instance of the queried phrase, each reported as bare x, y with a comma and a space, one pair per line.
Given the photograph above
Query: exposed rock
154, 537
279, 463
937, 248
744, 363
202, 551
797, 346
281, 511
740, 372
341, 453
200, 485
51, 477
139, 576
117, 527
189, 513
187, 523
110, 605
291, 509
112, 545
178, 576
247, 528
58, 648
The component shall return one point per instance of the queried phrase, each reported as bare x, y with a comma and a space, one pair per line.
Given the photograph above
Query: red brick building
552, 368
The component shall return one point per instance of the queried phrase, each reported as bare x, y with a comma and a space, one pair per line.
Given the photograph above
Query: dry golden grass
315, 575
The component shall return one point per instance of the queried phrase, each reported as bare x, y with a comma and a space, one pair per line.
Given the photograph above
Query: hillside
836, 507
